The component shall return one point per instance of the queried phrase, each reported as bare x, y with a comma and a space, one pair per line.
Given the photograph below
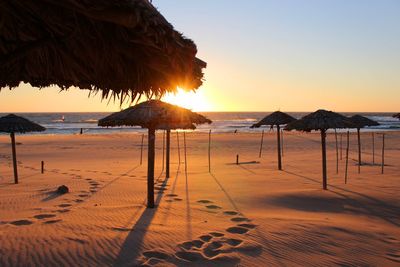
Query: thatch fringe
155, 114
122, 48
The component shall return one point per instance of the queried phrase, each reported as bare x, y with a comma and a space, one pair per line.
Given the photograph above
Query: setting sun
195, 101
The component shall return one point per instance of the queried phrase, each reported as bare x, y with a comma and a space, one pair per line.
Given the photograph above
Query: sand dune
237, 215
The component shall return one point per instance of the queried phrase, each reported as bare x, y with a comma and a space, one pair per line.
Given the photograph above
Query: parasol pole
163, 152
341, 146
347, 156
150, 168
209, 151
323, 143
282, 142
373, 148
359, 150
261, 145
337, 153
179, 150
383, 153
184, 149
279, 148
168, 153
141, 150
14, 155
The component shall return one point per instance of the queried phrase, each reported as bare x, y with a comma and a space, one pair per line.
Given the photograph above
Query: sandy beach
238, 215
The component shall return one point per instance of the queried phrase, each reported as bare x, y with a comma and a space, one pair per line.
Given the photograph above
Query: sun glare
195, 101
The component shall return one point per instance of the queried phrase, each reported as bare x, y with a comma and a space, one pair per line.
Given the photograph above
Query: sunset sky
266, 55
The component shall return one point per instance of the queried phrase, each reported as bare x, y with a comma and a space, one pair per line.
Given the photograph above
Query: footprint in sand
21, 222
64, 205
216, 234
44, 216
190, 244
234, 242
162, 255
247, 225
121, 229
63, 210
93, 190
52, 221
239, 219
204, 201
83, 195
230, 212
190, 256
237, 230
78, 200
171, 195
178, 199
213, 207
205, 238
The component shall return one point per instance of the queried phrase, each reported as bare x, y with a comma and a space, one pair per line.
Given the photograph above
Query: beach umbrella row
14, 124
154, 115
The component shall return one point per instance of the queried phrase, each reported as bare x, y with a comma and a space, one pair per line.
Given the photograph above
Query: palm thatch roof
123, 48
396, 115
15, 124
320, 120
275, 118
361, 121
155, 114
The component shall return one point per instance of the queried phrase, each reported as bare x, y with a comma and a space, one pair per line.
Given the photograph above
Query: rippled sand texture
237, 215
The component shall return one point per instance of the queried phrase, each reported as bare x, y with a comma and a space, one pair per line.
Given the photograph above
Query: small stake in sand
347, 156
209, 151
184, 151
141, 150
337, 153
42, 166
237, 159
261, 145
383, 153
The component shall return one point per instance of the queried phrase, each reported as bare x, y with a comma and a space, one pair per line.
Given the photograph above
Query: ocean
72, 123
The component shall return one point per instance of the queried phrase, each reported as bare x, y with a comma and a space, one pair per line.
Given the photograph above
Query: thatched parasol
14, 124
276, 118
396, 116
121, 48
361, 122
321, 120
154, 115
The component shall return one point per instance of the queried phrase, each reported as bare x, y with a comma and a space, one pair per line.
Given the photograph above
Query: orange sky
286, 55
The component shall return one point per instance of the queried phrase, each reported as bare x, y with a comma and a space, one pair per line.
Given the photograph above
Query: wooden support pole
383, 153
359, 149
341, 146
150, 168
261, 145
347, 156
279, 148
42, 167
373, 148
324, 176
184, 150
141, 150
209, 151
337, 153
163, 152
14, 155
179, 149
167, 153
237, 159
282, 145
